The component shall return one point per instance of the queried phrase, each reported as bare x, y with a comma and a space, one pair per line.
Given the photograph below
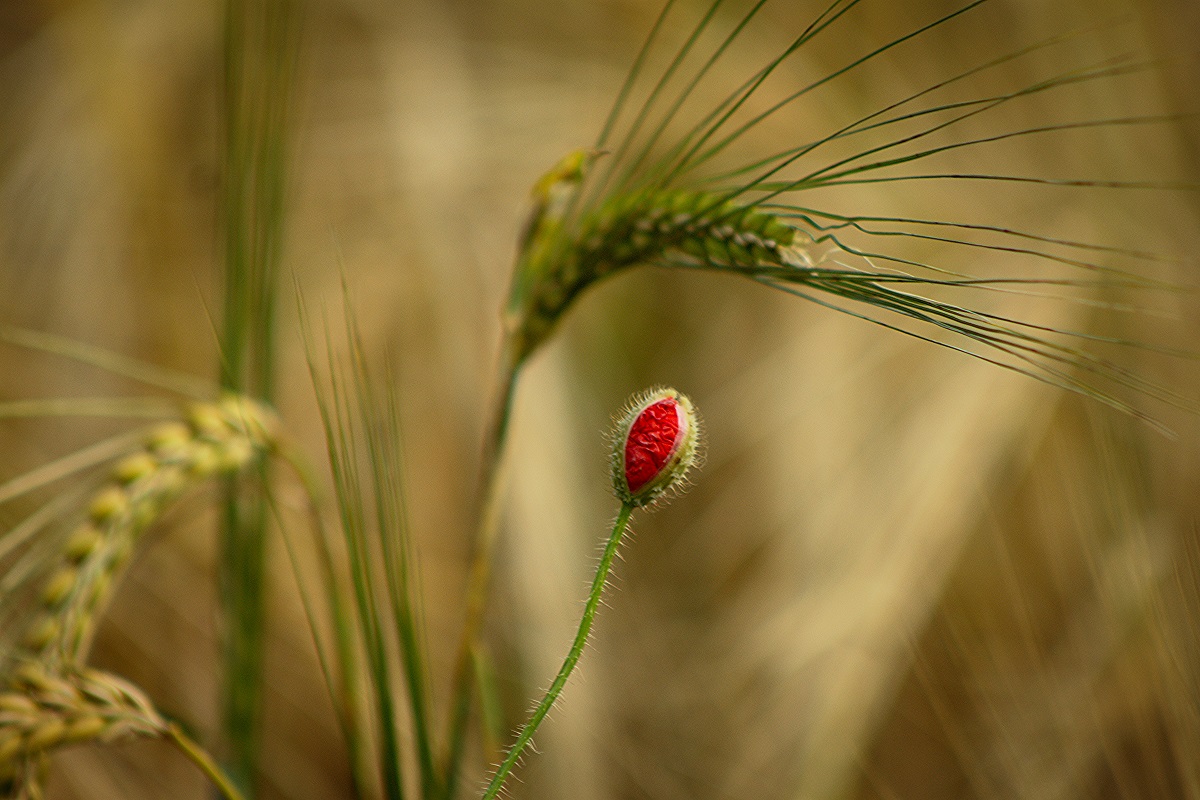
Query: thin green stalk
564, 672
381, 421
200, 757
339, 434
259, 59
344, 687
480, 570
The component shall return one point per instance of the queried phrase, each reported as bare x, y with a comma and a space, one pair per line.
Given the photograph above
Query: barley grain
41, 711
641, 227
219, 438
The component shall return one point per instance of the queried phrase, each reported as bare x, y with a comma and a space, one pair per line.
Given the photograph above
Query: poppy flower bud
654, 446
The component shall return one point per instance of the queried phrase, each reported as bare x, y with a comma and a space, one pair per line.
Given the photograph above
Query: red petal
650, 443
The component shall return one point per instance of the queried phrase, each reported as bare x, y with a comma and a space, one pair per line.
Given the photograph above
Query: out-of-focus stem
200, 757
261, 41
493, 483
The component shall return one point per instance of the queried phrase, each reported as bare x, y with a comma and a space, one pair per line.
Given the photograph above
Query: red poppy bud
654, 446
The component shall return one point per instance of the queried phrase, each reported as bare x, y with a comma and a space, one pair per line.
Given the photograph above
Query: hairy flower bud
654, 446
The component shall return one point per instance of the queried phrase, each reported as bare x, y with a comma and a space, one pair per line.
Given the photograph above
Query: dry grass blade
115, 363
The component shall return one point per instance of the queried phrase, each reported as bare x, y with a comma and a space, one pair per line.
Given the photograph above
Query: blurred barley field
901, 572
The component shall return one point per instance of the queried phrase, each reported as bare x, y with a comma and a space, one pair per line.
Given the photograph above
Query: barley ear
41, 711
218, 438
558, 261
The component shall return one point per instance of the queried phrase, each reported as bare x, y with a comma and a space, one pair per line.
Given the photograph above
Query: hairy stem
564, 672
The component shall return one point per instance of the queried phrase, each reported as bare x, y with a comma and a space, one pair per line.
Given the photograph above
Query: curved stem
198, 756
564, 672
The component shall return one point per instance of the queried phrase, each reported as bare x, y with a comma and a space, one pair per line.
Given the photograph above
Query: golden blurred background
902, 572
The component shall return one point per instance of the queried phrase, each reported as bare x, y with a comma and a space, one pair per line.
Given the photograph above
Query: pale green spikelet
41, 711
218, 438
642, 227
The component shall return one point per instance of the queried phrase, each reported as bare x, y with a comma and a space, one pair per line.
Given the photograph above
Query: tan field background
902, 573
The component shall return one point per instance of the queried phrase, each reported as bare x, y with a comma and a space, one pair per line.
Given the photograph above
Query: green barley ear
681, 187
529, 316
628, 230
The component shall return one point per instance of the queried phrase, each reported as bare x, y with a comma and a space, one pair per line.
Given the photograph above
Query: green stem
564, 672
242, 576
198, 756
479, 575
260, 47
344, 687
